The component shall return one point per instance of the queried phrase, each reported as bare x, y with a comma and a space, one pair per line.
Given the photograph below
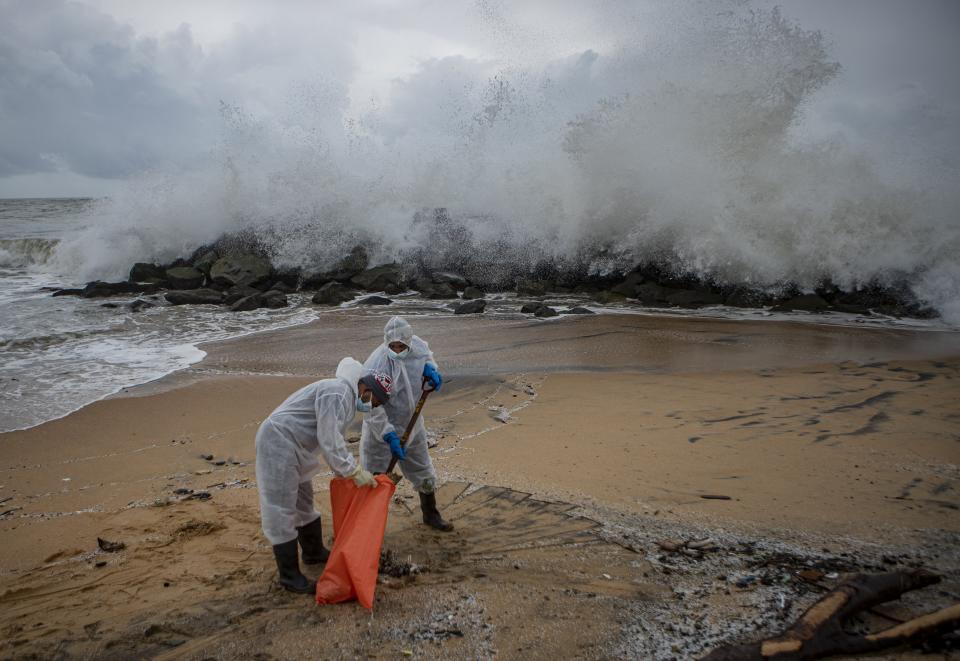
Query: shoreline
627, 419
740, 316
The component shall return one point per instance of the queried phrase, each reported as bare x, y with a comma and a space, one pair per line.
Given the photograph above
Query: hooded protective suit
407, 375
312, 420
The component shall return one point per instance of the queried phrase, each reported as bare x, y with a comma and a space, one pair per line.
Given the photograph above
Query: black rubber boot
310, 536
289, 568
431, 515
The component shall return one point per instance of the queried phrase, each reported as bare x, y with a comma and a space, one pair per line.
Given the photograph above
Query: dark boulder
531, 287
275, 299
313, 281
393, 290
442, 290
140, 305
379, 277
282, 286
333, 293
234, 294
351, 265
629, 285
422, 284
531, 308
99, 289
290, 277
241, 270
67, 292
578, 310
455, 280
472, 292
626, 289
475, 306
205, 261
808, 302
178, 262
586, 288
690, 298
194, 297
271, 299
650, 293
374, 300
144, 272
248, 303
545, 311
746, 298
184, 277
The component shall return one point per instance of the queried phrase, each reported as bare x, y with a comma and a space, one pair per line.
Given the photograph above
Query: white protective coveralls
312, 420
407, 375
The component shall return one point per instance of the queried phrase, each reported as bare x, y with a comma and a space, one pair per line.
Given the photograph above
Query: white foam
671, 139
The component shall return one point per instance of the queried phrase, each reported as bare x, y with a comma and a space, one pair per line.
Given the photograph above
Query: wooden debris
819, 631
714, 496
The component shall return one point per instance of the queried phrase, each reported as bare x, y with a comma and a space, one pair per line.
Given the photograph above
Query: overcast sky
93, 92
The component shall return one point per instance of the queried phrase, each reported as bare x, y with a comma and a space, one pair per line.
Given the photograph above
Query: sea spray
668, 142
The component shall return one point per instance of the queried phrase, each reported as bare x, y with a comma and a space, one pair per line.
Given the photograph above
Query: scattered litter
503, 416
694, 548
110, 547
199, 495
714, 496
206, 457
607, 576
392, 566
182, 491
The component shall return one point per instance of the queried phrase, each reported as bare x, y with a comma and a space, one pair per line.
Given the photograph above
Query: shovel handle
427, 389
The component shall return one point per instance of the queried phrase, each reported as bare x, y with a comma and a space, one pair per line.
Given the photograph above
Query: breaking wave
673, 142
24, 253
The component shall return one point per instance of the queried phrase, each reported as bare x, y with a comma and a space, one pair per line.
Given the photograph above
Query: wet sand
837, 447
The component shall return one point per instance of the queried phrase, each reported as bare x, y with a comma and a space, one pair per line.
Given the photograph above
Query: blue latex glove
430, 372
393, 441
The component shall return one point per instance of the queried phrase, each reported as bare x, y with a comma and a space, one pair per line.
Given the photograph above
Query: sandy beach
568, 448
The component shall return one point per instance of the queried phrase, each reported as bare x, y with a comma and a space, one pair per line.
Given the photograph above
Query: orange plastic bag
359, 520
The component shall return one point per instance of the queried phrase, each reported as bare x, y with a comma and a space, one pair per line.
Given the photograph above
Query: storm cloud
84, 93
108, 89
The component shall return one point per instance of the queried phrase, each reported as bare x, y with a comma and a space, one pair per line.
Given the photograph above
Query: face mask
364, 407
393, 355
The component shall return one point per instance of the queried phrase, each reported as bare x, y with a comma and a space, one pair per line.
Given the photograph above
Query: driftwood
819, 633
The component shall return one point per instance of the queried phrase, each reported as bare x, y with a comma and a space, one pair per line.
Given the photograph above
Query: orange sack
359, 520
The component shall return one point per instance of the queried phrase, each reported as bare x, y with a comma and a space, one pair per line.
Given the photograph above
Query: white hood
397, 330
350, 371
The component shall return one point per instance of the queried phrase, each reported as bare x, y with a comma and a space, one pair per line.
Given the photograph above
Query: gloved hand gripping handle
427, 389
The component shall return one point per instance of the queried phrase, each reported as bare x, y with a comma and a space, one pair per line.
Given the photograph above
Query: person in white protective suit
311, 421
408, 361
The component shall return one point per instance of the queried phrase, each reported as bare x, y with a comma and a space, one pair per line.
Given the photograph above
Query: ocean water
58, 354
678, 138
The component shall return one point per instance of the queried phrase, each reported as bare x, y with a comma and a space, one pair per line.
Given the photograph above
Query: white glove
363, 478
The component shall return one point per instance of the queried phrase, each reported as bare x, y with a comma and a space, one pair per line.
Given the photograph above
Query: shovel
427, 389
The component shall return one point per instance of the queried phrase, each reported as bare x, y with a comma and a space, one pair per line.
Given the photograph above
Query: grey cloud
84, 93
